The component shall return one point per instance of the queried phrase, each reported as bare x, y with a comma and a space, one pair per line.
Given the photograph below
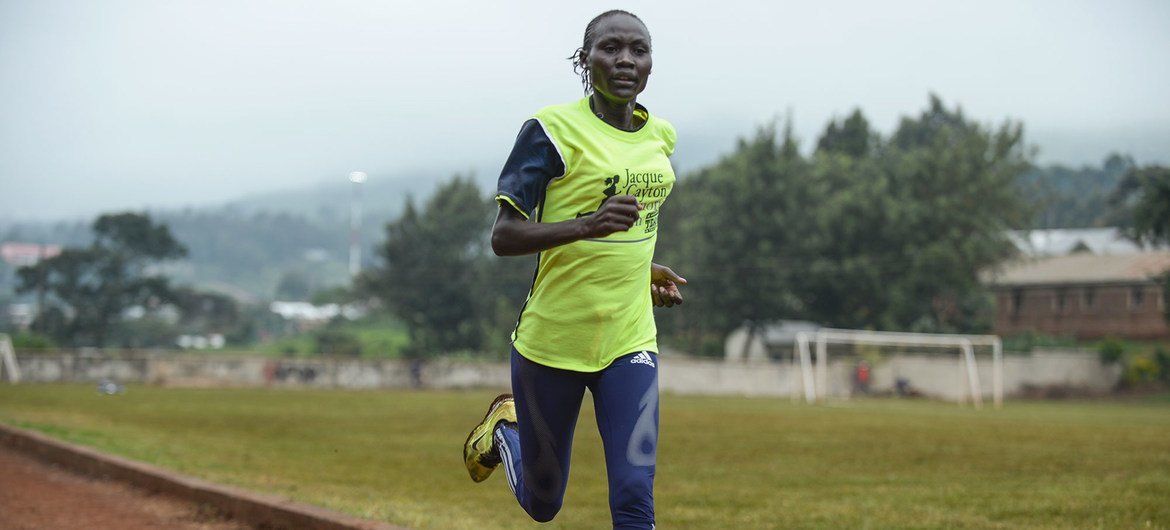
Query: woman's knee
543, 512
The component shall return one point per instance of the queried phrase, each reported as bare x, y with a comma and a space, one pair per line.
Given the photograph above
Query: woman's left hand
664, 286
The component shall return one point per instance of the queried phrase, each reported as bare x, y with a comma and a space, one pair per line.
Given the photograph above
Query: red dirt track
41, 496
43, 485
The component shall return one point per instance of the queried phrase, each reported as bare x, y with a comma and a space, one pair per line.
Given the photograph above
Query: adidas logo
643, 358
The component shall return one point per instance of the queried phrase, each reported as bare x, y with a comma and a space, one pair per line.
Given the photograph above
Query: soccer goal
814, 379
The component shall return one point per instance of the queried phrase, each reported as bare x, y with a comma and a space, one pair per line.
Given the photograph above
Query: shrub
31, 341
1028, 341
1143, 369
332, 342
1162, 359
1110, 351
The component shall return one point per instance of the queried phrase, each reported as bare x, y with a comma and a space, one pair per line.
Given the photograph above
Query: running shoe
479, 452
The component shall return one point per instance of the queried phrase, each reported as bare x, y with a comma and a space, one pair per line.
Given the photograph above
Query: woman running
582, 188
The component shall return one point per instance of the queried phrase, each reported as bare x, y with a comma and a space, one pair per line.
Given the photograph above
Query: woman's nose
625, 57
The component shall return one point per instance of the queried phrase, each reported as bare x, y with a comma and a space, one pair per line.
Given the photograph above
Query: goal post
815, 378
8, 359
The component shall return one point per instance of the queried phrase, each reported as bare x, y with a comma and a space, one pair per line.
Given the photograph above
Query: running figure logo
610, 190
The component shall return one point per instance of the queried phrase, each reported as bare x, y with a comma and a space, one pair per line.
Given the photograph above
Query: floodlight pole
42, 250
355, 224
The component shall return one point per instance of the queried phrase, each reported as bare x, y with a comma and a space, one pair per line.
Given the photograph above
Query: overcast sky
116, 104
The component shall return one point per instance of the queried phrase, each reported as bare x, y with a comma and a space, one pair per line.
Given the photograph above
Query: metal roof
1060, 241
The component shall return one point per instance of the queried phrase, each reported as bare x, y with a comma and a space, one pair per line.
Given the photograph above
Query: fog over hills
246, 247
125, 104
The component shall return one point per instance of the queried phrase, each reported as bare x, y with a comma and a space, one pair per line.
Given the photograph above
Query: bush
31, 341
333, 342
1162, 359
1110, 351
1026, 342
1141, 370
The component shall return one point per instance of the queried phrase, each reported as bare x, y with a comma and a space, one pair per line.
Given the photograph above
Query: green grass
723, 463
380, 336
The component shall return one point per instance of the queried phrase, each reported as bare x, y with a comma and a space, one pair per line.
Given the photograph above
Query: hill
245, 247
1066, 197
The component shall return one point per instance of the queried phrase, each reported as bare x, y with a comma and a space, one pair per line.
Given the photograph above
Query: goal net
910, 370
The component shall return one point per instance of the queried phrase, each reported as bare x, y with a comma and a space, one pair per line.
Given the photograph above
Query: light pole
355, 223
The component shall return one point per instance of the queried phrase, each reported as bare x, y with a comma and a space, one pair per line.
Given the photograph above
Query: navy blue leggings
548, 401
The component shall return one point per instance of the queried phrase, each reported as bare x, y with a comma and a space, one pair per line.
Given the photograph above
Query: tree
293, 285
91, 287
952, 182
439, 276
1064, 197
136, 238
1144, 194
864, 233
733, 230
852, 137
206, 313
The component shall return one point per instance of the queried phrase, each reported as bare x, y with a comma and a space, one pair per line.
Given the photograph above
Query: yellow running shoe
479, 452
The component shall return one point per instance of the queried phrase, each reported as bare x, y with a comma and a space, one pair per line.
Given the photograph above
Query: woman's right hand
616, 214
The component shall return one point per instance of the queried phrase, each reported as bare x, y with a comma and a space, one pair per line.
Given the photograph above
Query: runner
583, 187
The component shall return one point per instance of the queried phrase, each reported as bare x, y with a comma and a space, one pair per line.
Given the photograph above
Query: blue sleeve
534, 162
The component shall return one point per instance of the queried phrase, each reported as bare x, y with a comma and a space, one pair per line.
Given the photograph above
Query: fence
930, 376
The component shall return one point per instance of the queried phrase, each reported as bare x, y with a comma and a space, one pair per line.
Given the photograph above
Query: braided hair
578, 57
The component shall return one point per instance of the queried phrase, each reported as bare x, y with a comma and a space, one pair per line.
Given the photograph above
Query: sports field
724, 462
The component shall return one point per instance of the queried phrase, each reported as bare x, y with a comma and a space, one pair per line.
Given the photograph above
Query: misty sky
114, 104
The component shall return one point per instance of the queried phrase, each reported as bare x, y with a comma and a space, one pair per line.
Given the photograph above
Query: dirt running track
35, 495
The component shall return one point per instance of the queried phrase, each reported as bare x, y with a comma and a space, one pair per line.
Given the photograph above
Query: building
26, 254
772, 341
1064, 241
1083, 295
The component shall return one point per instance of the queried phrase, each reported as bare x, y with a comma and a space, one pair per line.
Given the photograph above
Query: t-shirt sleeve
669, 137
534, 162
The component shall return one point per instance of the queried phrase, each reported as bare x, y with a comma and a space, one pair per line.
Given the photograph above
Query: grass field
724, 462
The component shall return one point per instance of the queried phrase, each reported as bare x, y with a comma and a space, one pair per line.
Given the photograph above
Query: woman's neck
619, 115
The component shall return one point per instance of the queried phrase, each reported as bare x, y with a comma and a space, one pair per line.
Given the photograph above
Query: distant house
773, 341
1064, 241
1083, 295
26, 254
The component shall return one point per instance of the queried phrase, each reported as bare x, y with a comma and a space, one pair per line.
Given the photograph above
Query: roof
23, 254
1082, 269
1059, 241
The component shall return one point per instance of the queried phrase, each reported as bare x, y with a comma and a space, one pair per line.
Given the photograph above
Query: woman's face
619, 60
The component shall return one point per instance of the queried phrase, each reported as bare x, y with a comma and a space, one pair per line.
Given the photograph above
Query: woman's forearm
513, 235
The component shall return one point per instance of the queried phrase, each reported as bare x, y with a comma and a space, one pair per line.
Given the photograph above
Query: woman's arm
513, 235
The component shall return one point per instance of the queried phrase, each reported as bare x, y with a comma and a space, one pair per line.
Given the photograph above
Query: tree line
264, 253
865, 231
85, 292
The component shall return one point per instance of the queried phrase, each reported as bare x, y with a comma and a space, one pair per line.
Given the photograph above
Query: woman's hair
579, 66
